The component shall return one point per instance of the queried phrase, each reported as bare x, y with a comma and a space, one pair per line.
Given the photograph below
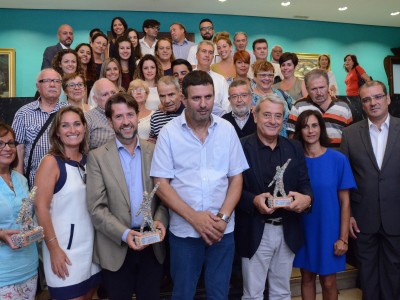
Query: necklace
8, 182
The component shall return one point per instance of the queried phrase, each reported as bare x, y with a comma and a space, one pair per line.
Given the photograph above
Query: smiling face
264, 80
164, 50
132, 36
118, 27
112, 72
7, 154
124, 50
149, 70
224, 49
124, 121
84, 55
99, 45
269, 120
71, 131
287, 69
311, 131
68, 63
76, 90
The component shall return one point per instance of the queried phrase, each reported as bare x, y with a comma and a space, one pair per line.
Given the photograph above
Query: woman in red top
352, 68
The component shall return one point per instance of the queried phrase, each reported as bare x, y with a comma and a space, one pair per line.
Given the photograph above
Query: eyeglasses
74, 85
48, 81
265, 75
235, 97
82, 171
368, 100
11, 144
207, 28
138, 90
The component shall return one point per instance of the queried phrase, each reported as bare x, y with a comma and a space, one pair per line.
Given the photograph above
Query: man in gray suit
117, 176
373, 148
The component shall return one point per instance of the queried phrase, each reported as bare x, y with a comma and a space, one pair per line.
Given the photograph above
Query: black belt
273, 222
147, 228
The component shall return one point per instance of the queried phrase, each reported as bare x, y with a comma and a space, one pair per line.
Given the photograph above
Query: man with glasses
32, 123
148, 42
276, 53
373, 148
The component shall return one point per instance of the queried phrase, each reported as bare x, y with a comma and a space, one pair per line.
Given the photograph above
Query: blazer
49, 54
248, 128
109, 204
376, 201
249, 223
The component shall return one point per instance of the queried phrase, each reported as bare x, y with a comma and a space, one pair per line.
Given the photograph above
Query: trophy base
28, 237
278, 202
148, 238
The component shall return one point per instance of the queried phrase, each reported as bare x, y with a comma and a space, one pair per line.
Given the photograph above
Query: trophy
29, 232
154, 235
275, 201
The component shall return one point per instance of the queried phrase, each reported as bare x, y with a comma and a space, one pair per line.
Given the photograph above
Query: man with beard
180, 68
241, 117
65, 35
117, 177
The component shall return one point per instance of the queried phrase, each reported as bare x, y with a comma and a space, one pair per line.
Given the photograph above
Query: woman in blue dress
326, 227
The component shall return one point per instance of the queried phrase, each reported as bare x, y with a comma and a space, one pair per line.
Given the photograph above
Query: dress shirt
241, 121
146, 49
182, 50
379, 138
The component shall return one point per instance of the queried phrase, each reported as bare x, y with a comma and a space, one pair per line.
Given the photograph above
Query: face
224, 49
71, 131
242, 68
105, 90
180, 71
139, 93
240, 42
177, 33
124, 121
207, 31
152, 31
205, 55
287, 69
375, 103
311, 131
132, 36
112, 72
66, 35
7, 154
149, 70
269, 120
118, 28
264, 80
76, 89
348, 63
276, 53
170, 97
84, 55
99, 45
68, 63
240, 98
323, 62
199, 103
164, 51
318, 90
49, 90
261, 51
124, 50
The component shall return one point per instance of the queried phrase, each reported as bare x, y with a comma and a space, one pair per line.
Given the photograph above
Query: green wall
31, 31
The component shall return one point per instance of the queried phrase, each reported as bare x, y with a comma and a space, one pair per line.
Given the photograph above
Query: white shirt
379, 139
192, 56
221, 101
146, 49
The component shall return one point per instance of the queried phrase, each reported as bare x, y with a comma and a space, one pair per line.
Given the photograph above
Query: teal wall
31, 31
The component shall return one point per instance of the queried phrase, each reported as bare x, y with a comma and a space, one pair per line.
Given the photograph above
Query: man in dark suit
373, 148
240, 117
65, 35
267, 238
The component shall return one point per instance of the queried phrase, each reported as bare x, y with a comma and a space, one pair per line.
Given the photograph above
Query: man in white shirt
148, 42
240, 40
276, 53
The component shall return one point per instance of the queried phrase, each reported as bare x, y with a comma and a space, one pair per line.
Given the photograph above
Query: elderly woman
326, 227
324, 63
74, 87
224, 48
354, 75
18, 271
163, 51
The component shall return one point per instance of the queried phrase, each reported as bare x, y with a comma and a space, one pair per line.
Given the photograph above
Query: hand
300, 203
220, 225
259, 203
332, 91
160, 226
130, 240
353, 228
205, 224
152, 140
340, 247
5, 235
59, 261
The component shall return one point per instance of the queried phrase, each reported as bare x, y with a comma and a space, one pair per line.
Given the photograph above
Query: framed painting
307, 62
7, 72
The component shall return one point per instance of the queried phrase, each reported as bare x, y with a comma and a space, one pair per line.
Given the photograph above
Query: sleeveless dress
75, 234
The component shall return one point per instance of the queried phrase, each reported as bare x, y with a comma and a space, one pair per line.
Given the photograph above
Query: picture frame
307, 62
7, 72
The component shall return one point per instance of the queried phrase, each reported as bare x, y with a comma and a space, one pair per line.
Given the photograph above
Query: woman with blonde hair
224, 48
324, 63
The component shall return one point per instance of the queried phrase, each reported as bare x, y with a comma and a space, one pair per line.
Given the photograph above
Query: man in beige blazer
117, 176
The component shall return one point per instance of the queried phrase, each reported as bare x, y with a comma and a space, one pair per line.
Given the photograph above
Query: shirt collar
214, 121
121, 146
237, 118
185, 41
386, 123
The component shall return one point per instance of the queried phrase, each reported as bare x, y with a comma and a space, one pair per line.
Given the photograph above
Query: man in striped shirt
335, 112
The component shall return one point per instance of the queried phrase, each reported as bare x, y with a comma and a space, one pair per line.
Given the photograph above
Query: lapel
146, 155
256, 165
393, 134
366, 140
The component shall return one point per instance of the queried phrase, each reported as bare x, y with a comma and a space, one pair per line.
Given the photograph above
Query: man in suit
267, 238
373, 148
65, 35
117, 176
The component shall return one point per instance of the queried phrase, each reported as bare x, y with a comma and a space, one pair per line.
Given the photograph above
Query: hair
206, 20
131, 60
353, 58
120, 98
137, 51
262, 66
204, 42
123, 24
315, 73
181, 61
44, 70
239, 82
241, 55
91, 70
271, 98
136, 83
104, 66
302, 119
180, 25
139, 72
68, 77
222, 36
288, 56
149, 23
195, 78
374, 83
329, 61
4, 130
57, 147
172, 58
57, 61
170, 80
96, 35
94, 30
95, 87
240, 32
259, 41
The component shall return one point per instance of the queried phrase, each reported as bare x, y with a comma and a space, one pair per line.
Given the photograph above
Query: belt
147, 228
273, 222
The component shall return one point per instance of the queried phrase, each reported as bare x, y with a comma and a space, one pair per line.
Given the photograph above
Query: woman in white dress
60, 205
324, 63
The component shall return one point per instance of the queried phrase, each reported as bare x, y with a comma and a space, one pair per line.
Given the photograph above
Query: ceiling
367, 12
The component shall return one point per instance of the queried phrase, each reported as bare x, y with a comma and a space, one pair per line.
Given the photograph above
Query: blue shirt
182, 51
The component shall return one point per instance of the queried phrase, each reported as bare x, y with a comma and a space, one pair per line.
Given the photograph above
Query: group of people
212, 140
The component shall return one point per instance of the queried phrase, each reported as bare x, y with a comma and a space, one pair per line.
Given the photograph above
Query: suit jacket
109, 204
49, 54
249, 128
376, 201
249, 225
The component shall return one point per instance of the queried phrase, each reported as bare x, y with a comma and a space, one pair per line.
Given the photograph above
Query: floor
350, 294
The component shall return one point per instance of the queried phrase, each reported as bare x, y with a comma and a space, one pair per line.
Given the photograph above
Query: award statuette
29, 232
154, 235
275, 201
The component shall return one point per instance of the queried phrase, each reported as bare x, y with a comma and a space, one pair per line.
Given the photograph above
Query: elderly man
260, 50
336, 113
200, 181
99, 128
32, 123
276, 53
267, 237
65, 35
373, 148
241, 117
181, 46
150, 29
240, 40
180, 68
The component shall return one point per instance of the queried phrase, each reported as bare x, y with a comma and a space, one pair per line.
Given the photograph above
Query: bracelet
346, 243
50, 240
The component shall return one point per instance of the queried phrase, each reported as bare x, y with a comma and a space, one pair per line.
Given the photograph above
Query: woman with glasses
18, 271
61, 209
74, 87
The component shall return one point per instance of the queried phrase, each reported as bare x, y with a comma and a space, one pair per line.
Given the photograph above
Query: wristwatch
223, 217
